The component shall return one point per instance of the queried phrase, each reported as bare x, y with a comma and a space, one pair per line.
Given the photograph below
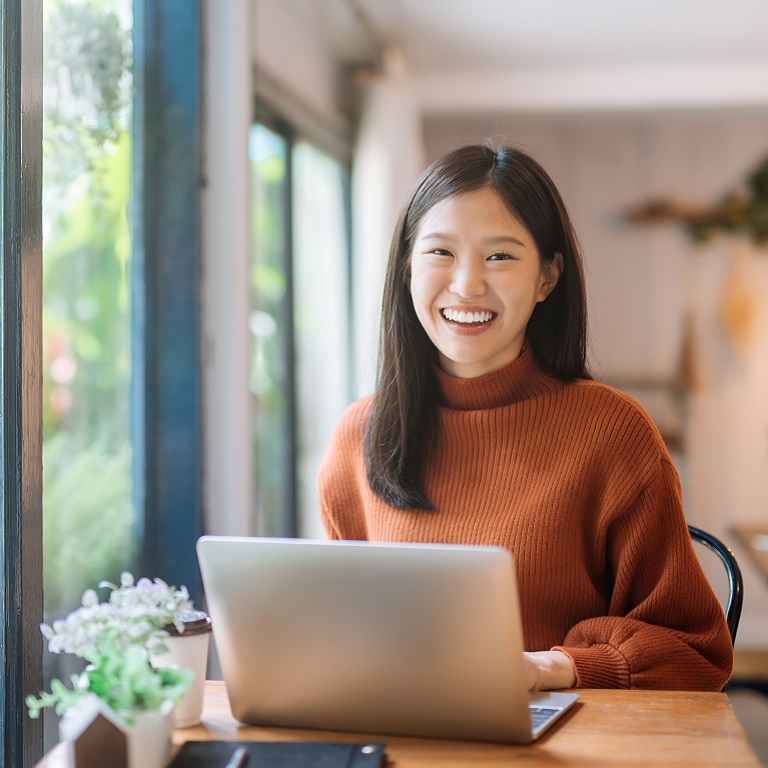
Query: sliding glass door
299, 322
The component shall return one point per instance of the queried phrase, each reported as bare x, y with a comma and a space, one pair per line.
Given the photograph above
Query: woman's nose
468, 280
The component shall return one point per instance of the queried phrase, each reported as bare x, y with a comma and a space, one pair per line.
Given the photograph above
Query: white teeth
467, 317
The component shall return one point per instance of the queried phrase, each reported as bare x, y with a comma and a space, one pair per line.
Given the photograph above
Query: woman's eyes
499, 256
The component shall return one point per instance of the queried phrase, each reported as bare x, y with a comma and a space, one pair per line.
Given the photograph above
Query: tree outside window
88, 515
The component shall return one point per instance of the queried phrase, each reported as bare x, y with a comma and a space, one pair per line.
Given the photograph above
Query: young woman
486, 428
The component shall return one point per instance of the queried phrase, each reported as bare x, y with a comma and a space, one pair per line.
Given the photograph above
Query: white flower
136, 613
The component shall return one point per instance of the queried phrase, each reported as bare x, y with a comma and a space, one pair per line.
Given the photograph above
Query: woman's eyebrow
436, 236
501, 239
504, 239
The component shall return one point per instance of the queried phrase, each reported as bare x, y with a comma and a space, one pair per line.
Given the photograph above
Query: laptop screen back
386, 638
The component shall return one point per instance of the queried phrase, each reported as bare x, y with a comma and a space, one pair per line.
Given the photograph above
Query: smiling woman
486, 429
476, 277
513, 197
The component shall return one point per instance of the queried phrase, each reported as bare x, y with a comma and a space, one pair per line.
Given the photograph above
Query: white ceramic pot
149, 741
95, 735
188, 650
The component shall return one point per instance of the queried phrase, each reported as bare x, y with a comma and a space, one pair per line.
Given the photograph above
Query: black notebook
281, 754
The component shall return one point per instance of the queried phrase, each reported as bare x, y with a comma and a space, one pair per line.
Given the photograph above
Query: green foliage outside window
269, 336
88, 516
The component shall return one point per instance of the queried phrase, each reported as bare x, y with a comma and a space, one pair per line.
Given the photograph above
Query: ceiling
481, 55
499, 34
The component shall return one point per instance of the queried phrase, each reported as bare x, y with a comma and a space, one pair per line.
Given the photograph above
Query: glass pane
270, 337
88, 516
321, 315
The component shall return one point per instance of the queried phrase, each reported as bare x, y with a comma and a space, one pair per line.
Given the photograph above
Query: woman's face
476, 277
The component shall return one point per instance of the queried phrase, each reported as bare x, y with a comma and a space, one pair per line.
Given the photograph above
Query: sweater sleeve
340, 475
664, 628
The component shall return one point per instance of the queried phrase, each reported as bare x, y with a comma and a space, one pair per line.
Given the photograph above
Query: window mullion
166, 316
21, 595
290, 521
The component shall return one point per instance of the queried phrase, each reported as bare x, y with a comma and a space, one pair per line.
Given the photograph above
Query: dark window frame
167, 402
21, 596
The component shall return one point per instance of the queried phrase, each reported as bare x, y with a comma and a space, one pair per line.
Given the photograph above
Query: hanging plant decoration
737, 212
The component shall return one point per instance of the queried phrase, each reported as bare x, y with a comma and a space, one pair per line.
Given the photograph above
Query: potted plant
118, 639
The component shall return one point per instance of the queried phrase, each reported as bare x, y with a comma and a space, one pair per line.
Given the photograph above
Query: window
120, 348
271, 326
322, 315
88, 514
299, 322
89, 520
92, 259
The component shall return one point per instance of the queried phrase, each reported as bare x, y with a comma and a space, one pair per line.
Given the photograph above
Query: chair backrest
735, 581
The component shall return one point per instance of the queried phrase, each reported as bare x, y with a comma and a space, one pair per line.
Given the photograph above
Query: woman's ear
552, 271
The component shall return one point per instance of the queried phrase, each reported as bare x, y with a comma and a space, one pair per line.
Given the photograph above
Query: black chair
735, 581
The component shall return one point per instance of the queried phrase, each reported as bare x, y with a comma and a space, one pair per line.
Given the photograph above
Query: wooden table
605, 728
754, 538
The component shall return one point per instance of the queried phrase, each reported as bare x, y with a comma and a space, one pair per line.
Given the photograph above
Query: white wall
295, 70
227, 99
286, 47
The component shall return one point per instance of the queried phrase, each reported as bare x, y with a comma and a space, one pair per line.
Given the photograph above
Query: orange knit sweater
575, 480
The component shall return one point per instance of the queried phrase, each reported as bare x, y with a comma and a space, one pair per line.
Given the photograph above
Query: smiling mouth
467, 318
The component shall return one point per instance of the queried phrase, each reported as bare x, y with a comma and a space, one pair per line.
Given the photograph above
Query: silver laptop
413, 639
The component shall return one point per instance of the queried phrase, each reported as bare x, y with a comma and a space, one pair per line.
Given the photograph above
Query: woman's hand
546, 670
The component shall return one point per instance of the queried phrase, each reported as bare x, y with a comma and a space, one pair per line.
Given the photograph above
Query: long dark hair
403, 420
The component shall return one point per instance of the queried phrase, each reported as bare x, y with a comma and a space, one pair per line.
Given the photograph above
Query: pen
239, 758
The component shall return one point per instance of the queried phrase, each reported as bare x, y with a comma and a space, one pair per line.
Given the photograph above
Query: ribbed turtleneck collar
522, 379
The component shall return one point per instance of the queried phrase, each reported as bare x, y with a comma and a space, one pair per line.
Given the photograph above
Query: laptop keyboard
540, 716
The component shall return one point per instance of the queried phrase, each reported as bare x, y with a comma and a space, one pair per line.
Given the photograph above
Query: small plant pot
188, 650
96, 735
